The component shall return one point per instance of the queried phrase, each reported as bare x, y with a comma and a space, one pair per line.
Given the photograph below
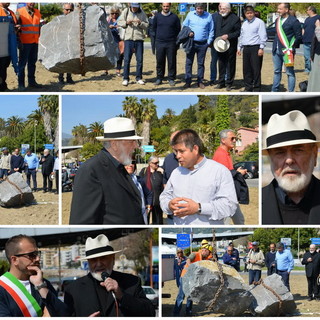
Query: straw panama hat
119, 129
289, 129
98, 247
221, 45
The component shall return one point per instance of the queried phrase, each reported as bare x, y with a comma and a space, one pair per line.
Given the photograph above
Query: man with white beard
104, 292
104, 192
293, 195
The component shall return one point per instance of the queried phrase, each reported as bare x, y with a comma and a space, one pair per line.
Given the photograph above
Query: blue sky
17, 105
86, 109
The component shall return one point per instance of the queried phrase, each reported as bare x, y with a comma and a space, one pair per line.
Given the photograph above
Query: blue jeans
200, 49
179, 301
28, 54
254, 276
285, 277
3, 172
277, 58
213, 64
33, 173
307, 61
131, 47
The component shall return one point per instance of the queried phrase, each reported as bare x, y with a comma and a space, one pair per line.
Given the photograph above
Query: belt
254, 45
199, 42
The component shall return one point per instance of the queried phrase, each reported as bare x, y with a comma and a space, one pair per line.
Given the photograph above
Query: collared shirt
209, 184
253, 33
223, 156
143, 205
32, 161
202, 26
284, 260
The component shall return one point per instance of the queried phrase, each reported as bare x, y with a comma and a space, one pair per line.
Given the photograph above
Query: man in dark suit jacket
311, 260
104, 292
47, 162
292, 29
228, 27
25, 273
104, 192
293, 195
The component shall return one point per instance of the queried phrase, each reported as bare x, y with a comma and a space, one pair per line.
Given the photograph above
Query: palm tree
148, 111
49, 107
34, 116
95, 130
167, 117
14, 126
80, 133
2, 127
132, 109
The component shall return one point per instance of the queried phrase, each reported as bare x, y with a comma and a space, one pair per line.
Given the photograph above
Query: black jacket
270, 208
229, 25
105, 194
241, 186
85, 296
47, 164
183, 37
313, 267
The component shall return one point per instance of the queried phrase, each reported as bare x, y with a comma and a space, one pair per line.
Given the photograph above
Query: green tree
4, 266
251, 152
167, 117
14, 126
2, 127
80, 133
148, 112
222, 117
9, 142
95, 130
50, 10
89, 150
132, 109
203, 102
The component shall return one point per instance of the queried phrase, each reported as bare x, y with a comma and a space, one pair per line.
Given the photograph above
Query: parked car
251, 166
152, 295
271, 31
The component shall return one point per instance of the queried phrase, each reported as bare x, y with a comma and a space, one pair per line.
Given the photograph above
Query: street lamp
35, 136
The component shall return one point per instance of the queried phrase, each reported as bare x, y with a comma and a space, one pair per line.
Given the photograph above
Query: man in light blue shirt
31, 162
253, 39
284, 263
201, 24
200, 190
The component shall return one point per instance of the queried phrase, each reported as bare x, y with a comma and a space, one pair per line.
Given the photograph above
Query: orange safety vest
198, 257
30, 26
4, 14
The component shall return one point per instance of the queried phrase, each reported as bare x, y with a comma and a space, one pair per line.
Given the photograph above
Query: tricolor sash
25, 301
288, 56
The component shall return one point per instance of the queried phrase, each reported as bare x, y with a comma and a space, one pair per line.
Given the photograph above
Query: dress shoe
310, 299
35, 85
212, 82
158, 82
201, 85
21, 87
172, 83
186, 86
219, 86
228, 87
70, 81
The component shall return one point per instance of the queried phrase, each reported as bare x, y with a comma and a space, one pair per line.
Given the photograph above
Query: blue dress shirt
284, 260
253, 33
32, 161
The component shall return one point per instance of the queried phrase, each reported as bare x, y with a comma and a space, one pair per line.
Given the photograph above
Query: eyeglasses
31, 255
114, 13
68, 9
155, 162
233, 138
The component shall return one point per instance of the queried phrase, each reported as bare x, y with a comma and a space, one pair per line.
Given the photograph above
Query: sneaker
172, 83
140, 82
118, 73
158, 82
125, 82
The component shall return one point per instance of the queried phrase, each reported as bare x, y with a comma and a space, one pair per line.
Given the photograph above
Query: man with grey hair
47, 162
311, 259
292, 196
223, 156
104, 192
284, 262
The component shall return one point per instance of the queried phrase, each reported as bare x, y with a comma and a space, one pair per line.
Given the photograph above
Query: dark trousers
166, 50
252, 65
153, 44
57, 180
119, 62
227, 65
313, 289
285, 277
157, 215
61, 75
254, 276
33, 173
4, 64
131, 47
28, 55
47, 183
200, 49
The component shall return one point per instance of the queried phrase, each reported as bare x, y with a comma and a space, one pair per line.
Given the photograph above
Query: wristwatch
40, 286
199, 210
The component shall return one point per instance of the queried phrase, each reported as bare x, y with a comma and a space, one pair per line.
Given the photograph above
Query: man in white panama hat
104, 292
293, 195
104, 192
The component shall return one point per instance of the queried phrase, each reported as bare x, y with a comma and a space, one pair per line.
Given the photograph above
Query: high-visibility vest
4, 14
30, 26
198, 257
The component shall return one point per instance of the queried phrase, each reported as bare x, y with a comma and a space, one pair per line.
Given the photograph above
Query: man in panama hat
293, 195
104, 192
104, 292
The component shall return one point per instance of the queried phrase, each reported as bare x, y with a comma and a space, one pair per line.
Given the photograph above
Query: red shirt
222, 156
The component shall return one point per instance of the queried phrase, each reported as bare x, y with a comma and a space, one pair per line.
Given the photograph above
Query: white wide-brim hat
119, 129
221, 45
290, 129
98, 247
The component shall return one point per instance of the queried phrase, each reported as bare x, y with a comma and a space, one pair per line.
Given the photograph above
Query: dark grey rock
202, 281
266, 304
10, 196
59, 44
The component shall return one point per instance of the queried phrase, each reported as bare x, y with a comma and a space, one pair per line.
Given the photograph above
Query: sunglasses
31, 255
155, 162
68, 9
114, 13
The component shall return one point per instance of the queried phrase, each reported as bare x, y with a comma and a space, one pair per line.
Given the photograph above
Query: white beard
295, 183
124, 158
224, 14
97, 275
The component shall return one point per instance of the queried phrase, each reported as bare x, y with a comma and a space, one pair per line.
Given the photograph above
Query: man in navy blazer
292, 28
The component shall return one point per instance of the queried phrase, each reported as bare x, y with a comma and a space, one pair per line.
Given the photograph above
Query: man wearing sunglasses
23, 291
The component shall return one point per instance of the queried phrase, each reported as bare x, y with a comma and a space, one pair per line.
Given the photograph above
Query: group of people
102, 292
15, 162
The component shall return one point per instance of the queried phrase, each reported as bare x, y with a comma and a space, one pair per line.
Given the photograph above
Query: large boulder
267, 303
202, 280
14, 191
59, 44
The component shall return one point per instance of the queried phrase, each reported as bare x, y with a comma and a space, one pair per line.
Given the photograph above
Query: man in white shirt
199, 191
